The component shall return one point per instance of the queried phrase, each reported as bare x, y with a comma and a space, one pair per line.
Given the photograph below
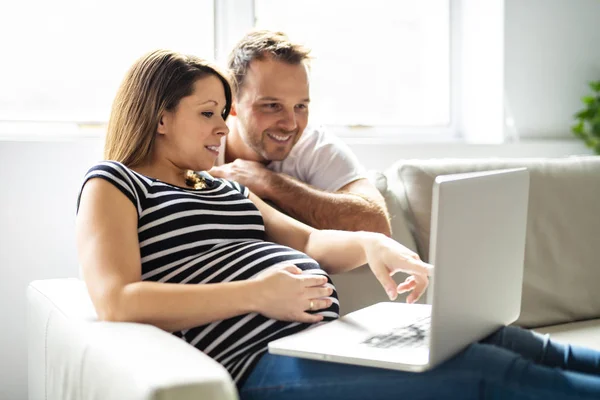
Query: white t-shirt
319, 159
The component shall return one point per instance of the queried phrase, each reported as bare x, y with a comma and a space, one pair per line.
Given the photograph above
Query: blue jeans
512, 363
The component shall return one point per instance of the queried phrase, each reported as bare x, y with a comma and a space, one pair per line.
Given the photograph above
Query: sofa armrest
73, 356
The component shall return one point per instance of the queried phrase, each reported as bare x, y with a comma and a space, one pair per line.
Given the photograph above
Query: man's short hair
259, 44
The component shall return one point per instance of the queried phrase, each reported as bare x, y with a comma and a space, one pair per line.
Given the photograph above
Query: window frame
390, 133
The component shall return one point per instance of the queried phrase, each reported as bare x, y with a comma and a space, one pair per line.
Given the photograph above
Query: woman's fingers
313, 280
386, 280
420, 286
418, 267
318, 304
415, 267
317, 292
412, 266
418, 280
292, 269
406, 286
314, 305
415, 284
309, 318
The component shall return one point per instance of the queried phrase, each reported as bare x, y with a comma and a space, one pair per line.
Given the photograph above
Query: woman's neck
166, 172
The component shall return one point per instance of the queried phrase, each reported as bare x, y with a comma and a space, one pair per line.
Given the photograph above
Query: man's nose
288, 121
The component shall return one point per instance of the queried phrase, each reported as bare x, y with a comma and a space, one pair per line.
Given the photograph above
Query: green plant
587, 127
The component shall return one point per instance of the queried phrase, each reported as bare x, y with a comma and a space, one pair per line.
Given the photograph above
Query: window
64, 59
376, 63
381, 64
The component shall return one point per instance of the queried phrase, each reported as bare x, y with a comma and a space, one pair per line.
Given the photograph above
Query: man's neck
236, 148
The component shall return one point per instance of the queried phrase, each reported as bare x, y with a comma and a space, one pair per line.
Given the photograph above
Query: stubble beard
281, 150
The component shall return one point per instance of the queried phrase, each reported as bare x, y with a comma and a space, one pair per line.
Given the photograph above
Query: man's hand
254, 175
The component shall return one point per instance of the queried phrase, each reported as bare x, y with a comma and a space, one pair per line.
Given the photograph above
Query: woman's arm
335, 251
108, 251
340, 251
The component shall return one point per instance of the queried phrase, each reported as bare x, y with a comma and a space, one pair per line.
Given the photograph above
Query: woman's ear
161, 128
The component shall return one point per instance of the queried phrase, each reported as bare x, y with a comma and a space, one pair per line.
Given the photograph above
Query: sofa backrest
562, 269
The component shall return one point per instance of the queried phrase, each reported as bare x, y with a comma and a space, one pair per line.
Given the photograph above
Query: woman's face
190, 134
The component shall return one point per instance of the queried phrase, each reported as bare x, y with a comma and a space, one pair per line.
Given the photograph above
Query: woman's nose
223, 129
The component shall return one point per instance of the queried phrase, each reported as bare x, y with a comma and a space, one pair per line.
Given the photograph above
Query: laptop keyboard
415, 335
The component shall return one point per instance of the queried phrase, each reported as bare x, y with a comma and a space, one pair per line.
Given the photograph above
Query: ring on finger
311, 305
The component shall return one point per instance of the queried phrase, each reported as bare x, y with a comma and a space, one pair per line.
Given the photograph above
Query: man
304, 171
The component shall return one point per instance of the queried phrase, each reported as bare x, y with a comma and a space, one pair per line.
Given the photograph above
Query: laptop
477, 245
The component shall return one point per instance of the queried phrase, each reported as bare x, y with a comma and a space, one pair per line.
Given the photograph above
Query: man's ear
161, 128
233, 111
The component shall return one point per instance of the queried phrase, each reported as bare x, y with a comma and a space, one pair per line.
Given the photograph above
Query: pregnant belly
237, 342
242, 261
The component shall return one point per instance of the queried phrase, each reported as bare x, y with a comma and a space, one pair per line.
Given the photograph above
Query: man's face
272, 107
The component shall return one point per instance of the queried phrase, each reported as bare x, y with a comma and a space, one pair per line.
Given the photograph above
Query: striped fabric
206, 236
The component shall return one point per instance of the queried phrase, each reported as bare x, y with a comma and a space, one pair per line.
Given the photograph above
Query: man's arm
358, 206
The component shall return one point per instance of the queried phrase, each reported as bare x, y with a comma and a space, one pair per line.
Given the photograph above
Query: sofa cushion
563, 229
583, 333
399, 224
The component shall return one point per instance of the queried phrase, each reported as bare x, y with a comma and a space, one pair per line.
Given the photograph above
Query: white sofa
73, 356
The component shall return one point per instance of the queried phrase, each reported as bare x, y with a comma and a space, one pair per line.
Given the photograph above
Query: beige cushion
401, 231
584, 333
562, 270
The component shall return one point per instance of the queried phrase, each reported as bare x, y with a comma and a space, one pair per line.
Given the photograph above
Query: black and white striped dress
207, 236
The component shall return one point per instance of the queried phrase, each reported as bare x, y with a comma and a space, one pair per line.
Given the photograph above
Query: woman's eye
208, 114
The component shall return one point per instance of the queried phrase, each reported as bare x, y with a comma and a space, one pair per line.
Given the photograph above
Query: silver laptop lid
478, 226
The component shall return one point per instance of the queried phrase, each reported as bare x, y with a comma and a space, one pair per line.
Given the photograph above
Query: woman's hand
285, 294
385, 256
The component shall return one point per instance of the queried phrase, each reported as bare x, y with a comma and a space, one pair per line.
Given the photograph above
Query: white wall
551, 51
38, 189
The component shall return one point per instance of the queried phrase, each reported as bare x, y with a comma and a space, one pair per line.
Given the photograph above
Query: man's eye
272, 106
208, 114
302, 106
